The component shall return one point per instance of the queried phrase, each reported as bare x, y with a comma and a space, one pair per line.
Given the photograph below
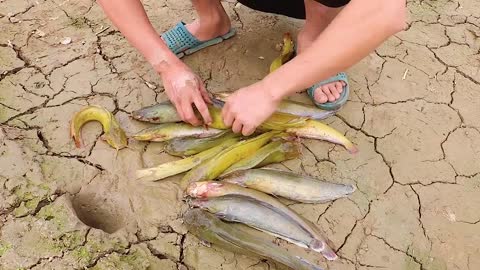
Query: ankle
215, 22
208, 27
305, 38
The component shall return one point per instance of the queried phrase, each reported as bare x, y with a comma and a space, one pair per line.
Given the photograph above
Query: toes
327, 92
334, 90
339, 85
319, 96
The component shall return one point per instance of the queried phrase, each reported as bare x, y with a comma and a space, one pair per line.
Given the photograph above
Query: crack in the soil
390, 170
469, 222
43, 140
453, 67
420, 215
399, 250
325, 211
8, 107
354, 226
182, 248
76, 157
318, 160
20, 13
239, 19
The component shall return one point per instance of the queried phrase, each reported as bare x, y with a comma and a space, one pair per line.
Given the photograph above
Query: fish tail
351, 148
352, 189
308, 264
75, 136
329, 254
322, 247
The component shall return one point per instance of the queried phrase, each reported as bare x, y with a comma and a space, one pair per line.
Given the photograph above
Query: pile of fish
233, 198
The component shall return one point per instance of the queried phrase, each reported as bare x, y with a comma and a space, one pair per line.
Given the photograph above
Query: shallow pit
98, 211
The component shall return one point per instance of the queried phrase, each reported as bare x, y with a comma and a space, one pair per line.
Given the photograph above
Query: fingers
204, 93
248, 130
227, 115
203, 109
188, 114
237, 126
178, 107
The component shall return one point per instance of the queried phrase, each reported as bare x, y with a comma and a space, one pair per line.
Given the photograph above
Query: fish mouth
200, 203
196, 190
202, 189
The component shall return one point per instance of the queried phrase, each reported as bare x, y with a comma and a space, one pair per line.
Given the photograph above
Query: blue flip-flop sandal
337, 104
181, 42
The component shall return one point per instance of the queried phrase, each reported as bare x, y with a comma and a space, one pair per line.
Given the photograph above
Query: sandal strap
179, 39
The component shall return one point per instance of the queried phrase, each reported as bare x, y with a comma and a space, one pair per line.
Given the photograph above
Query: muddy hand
186, 91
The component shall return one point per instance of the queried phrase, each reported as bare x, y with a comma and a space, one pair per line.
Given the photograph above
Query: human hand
185, 89
249, 107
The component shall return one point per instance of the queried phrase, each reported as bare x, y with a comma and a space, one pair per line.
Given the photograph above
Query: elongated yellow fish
168, 131
317, 130
212, 168
179, 166
113, 133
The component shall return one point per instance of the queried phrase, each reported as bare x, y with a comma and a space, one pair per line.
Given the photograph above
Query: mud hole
100, 212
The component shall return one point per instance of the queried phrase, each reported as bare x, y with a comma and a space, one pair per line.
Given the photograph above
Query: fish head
152, 113
211, 205
197, 219
200, 203
116, 137
204, 189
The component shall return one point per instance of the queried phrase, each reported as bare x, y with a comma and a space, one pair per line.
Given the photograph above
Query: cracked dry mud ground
418, 170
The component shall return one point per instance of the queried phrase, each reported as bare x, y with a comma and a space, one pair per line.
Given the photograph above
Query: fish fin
309, 264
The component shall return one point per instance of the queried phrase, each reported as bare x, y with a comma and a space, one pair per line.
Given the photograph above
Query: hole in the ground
99, 211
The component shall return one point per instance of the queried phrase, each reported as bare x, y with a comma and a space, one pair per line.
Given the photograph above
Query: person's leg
212, 20
318, 17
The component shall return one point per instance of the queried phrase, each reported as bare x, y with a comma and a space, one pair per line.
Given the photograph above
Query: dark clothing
290, 8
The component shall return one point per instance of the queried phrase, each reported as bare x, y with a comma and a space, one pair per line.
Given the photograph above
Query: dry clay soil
414, 113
